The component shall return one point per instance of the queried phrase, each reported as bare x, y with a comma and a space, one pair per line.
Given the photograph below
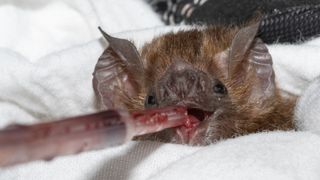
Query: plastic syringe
24, 143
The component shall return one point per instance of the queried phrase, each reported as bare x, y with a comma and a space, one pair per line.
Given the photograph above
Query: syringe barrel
69, 136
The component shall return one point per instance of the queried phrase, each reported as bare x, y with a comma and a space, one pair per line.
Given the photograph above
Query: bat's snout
182, 82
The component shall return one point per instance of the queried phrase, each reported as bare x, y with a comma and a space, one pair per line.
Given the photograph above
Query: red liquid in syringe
154, 120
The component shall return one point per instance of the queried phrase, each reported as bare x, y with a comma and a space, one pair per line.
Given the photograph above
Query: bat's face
224, 77
185, 71
203, 93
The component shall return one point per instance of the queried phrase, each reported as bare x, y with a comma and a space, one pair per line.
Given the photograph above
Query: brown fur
199, 47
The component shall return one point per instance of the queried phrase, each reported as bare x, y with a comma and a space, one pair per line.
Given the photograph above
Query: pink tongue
186, 132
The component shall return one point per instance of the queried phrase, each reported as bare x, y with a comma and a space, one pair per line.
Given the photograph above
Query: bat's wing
118, 73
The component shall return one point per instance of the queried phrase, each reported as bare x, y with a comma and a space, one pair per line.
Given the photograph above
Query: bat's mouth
188, 131
199, 114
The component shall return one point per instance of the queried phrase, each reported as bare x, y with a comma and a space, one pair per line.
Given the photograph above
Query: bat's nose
183, 82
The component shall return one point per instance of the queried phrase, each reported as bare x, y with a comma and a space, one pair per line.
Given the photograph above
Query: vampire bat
223, 75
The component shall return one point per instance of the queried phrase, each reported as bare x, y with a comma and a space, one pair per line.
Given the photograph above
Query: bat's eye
150, 101
219, 88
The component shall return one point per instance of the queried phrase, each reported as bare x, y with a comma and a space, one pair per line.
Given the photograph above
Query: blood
154, 120
157, 116
184, 121
191, 122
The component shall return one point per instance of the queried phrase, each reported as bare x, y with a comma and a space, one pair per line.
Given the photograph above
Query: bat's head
223, 76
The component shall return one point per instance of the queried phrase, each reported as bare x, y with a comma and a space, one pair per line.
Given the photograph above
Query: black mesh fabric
283, 21
175, 11
291, 25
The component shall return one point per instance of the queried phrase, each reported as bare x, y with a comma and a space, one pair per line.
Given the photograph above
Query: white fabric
263, 156
307, 114
35, 28
59, 85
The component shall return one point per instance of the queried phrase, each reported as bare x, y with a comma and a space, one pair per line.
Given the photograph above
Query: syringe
22, 143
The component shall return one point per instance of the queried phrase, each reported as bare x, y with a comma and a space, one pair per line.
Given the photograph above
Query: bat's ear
250, 63
117, 74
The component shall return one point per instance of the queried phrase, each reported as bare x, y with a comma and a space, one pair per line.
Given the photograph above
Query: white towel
35, 28
307, 114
